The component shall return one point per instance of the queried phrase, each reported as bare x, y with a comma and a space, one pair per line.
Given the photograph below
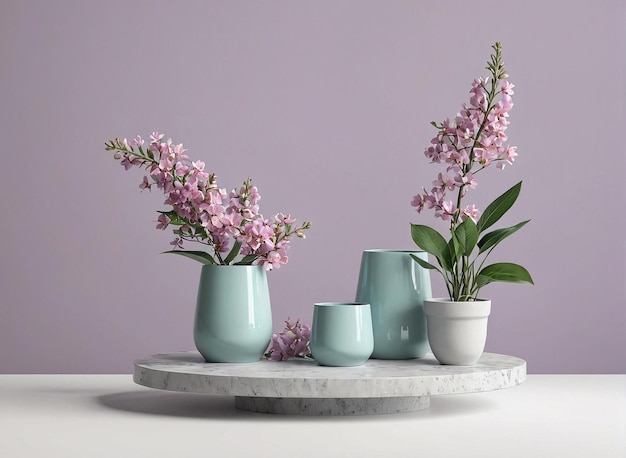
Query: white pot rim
447, 299
444, 307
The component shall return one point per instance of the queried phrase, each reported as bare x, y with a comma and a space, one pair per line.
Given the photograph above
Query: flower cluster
474, 140
229, 223
292, 342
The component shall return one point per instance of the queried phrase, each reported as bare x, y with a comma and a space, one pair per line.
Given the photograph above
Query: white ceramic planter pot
457, 331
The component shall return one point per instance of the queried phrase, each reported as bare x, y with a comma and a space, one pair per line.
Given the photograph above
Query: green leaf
466, 234
175, 219
201, 256
432, 242
455, 250
425, 264
233, 253
503, 272
498, 207
247, 260
493, 238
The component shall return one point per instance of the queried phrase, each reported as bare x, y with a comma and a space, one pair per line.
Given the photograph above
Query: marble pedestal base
332, 406
302, 387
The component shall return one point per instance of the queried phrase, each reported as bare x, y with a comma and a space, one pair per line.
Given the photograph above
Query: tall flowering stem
467, 145
229, 224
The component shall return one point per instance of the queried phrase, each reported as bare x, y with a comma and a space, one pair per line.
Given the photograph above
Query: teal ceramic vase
395, 286
341, 333
233, 322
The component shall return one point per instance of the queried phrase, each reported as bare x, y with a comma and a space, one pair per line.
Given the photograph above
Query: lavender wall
327, 106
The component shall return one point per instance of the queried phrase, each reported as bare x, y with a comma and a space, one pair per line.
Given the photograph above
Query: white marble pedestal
302, 387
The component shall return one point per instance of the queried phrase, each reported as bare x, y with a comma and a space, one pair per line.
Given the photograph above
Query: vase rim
383, 250
231, 266
341, 304
447, 299
442, 307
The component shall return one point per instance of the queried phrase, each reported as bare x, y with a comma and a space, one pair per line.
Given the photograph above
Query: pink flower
137, 141
418, 202
164, 221
459, 158
221, 242
466, 180
166, 163
178, 152
446, 210
257, 235
198, 170
274, 259
508, 157
292, 342
156, 137
271, 260
439, 152
128, 163
479, 95
284, 219
181, 168
231, 223
507, 88
470, 211
177, 243
499, 137
435, 199
443, 183
145, 184
279, 348
466, 138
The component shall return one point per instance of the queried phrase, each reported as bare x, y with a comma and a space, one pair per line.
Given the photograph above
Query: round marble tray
303, 387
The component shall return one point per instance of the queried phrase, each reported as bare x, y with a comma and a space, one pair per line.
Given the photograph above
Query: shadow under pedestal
332, 406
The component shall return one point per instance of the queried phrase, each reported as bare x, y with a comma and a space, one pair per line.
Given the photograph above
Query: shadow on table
188, 405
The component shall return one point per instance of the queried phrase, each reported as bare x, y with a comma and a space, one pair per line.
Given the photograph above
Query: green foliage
493, 238
432, 242
503, 271
463, 274
201, 256
247, 260
233, 253
465, 236
496, 209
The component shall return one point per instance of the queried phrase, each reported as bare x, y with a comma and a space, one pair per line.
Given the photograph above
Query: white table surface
109, 416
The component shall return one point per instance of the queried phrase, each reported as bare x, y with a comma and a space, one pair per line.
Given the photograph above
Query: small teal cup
341, 333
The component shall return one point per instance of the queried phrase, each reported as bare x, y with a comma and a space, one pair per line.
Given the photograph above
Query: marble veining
187, 371
332, 406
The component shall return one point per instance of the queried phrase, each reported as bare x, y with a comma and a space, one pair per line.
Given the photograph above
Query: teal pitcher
395, 286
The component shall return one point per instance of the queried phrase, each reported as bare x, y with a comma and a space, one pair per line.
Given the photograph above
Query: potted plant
466, 145
233, 321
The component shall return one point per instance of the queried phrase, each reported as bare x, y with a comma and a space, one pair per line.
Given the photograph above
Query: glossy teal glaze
233, 322
395, 286
341, 333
